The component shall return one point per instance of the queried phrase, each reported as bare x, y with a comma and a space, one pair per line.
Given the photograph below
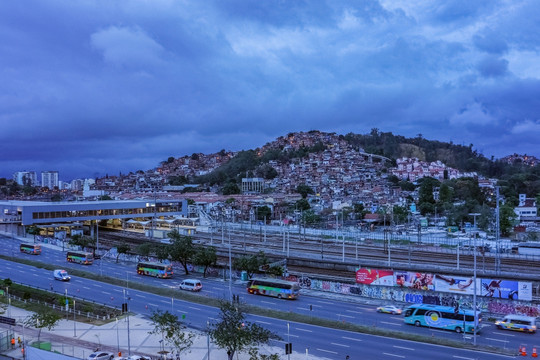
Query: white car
61, 275
191, 285
139, 357
100, 355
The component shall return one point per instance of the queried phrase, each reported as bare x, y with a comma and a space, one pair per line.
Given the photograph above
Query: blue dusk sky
95, 87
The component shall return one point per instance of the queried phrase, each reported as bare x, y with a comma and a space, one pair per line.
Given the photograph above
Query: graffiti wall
501, 306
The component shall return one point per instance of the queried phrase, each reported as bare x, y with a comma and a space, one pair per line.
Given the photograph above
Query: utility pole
497, 236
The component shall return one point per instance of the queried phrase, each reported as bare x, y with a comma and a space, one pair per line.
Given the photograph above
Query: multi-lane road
334, 344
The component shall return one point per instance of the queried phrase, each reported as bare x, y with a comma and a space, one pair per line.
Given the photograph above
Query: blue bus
443, 317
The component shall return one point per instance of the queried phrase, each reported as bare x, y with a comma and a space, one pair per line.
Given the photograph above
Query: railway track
330, 250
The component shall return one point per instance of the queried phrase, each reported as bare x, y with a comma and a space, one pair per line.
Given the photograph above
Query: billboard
506, 289
456, 284
375, 277
415, 280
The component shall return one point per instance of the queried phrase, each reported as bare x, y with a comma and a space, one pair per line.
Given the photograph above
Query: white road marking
327, 351
390, 323
306, 330
139, 295
403, 347
267, 302
399, 356
263, 322
194, 308
462, 357
350, 338
340, 345
500, 334
347, 316
354, 311
496, 339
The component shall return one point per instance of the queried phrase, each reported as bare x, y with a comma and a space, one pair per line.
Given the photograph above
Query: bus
33, 249
274, 287
155, 269
442, 317
80, 257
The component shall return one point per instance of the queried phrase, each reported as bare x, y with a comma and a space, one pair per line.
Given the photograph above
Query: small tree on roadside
43, 318
163, 251
233, 333
182, 249
33, 230
83, 241
205, 256
172, 331
144, 250
250, 264
123, 248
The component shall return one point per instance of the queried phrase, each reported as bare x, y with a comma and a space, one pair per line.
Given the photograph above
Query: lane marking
403, 347
139, 295
395, 355
263, 322
462, 357
390, 323
306, 330
350, 338
327, 351
499, 334
497, 340
346, 316
342, 345
267, 302
194, 308
354, 311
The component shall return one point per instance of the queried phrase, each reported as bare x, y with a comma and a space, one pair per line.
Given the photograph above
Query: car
517, 323
61, 275
100, 355
139, 357
389, 309
191, 285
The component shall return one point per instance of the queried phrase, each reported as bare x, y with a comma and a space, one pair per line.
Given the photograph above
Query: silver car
100, 355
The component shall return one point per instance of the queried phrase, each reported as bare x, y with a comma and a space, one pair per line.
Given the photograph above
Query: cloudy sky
99, 87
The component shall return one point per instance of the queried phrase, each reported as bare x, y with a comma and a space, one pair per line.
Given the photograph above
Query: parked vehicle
191, 285
517, 323
61, 275
100, 355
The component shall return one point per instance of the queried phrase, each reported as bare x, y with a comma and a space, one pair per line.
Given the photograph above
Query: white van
61, 275
517, 323
191, 285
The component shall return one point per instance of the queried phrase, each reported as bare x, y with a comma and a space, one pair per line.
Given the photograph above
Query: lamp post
74, 322
117, 337
230, 269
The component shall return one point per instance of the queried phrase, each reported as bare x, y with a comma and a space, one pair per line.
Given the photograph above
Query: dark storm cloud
96, 87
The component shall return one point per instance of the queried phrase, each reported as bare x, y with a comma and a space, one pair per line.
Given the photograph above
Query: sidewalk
79, 340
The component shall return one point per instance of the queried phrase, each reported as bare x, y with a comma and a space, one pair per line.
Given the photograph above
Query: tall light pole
230, 269
474, 295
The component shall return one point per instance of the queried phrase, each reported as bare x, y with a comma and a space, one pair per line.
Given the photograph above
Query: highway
318, 341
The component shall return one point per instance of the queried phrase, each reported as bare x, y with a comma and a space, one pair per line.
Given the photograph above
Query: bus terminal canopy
143, 223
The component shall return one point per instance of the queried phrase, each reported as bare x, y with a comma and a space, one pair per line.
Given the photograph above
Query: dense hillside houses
412, 169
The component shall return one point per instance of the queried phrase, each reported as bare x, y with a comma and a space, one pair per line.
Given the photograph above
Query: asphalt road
318, 341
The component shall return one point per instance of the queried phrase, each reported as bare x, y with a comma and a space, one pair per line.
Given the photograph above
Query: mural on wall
415, 280
375, 277
456, 284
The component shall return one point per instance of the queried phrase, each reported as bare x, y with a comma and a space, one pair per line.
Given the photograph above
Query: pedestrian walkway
79, 340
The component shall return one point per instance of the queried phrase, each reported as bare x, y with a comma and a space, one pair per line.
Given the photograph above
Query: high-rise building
25, 178
49, 179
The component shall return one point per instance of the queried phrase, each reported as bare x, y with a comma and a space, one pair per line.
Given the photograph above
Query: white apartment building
49, 179
25, 178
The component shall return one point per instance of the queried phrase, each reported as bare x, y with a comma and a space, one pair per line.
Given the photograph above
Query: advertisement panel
456, 284
501, 289
375, 277
525, 291
415, 280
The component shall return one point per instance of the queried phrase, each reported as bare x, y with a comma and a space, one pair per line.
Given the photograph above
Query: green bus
274, 287
155, 269
33, 249
443, 317
80, 257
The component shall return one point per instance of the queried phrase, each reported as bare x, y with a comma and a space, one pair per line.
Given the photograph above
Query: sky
97, 87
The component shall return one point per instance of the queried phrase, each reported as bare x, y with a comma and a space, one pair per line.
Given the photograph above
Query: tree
83, 241
163, 251
172, 331
182, 249
205, 256
105, 197
230, 188
123, 248
263, 212
250, 264
233, 333
144, 250
506, 219
304, 190
303, 205
43, 318
33, 230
